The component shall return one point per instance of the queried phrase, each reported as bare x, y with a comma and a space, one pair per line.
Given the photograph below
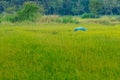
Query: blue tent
80, 28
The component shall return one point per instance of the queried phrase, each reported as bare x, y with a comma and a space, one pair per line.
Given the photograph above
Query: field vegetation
38, 40
56, 52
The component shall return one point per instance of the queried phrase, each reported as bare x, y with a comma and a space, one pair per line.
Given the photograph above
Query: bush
29, 12
68, 19
118, 18
0, 18
56, 19
10, 17
48, 19
88, 15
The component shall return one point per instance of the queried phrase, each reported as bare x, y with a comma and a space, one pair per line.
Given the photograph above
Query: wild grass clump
0, 18
105, 20
57, 19
113, 19
67, 19
10, 18
88, 15
48, 19
118, 18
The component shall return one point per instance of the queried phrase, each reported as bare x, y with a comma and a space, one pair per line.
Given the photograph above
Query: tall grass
56, 52
105, 20
57, 19
48, 19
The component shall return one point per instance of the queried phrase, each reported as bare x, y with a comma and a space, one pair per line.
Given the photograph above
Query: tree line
65, 7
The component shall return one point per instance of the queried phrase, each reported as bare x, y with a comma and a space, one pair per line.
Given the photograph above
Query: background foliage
66, 7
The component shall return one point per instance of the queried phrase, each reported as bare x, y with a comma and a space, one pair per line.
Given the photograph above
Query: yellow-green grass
56, 52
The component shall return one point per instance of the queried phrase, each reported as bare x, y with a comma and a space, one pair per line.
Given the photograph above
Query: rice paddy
56, 52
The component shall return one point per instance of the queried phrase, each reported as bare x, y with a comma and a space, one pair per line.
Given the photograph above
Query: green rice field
56, 52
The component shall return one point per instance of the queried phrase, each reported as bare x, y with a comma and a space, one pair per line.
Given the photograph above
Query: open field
56, 52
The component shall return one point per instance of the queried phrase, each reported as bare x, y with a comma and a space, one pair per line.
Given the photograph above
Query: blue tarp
80, 28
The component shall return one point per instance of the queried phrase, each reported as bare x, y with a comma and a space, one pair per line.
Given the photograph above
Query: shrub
48, 19
118, 18
0, 18
56, 19
88, 15
29, 11
68, 19
10, 17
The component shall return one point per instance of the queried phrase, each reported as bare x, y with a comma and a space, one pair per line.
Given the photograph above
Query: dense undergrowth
105, 20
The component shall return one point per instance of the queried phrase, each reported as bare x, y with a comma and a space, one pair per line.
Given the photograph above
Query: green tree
95, 7
10, 10
3, 6
29, 11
